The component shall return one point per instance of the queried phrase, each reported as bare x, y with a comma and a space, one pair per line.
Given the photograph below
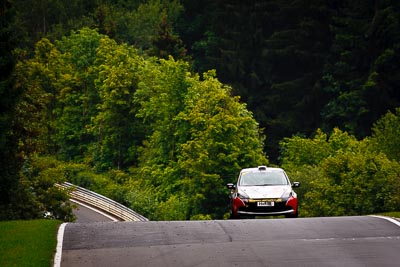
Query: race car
263, 191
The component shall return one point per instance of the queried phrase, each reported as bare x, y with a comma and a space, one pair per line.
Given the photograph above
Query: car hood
272, 191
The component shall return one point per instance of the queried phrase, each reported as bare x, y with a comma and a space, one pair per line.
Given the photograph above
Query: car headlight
287, 194
243, 196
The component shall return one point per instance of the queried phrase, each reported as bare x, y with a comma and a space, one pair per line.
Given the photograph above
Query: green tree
299, 151
385, 135
160, 98
36, 195
40, 174
359, 75
10, 160
300, 65
136, 22
77, 95
116, 129
354, 184
45, 82
272, 53
195, 29
51, 19
167, 43
200, 137
341, 175
224, 137
302, 157
34, 109
27, 95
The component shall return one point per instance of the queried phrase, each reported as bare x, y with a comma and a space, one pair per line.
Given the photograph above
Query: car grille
252, 207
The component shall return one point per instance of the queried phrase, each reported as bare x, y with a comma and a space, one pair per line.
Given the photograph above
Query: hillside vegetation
158, 104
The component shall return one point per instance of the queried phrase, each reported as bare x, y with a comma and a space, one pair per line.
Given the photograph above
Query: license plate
265, 204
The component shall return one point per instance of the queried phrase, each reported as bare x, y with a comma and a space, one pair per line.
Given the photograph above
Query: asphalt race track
86, 214
330, 241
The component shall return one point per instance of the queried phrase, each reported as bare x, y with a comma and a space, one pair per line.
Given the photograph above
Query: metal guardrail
103, 203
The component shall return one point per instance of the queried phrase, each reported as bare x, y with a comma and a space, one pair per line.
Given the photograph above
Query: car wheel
237, 216
294, 215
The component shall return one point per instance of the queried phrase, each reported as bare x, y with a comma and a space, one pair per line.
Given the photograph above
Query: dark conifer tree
360, 75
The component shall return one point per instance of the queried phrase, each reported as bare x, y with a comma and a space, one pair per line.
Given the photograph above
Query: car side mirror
231, 186
296, 184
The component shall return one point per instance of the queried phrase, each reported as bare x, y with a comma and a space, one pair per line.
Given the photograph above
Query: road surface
87, 214
334, 241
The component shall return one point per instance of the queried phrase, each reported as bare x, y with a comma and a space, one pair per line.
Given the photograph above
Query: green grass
394, 214
28, 243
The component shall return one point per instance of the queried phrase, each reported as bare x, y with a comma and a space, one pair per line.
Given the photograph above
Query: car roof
261, 168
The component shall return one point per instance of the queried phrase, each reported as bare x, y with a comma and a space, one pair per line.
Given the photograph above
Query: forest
158, 104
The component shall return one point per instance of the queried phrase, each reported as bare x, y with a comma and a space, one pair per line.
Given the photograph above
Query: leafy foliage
76, 95
122, 111
40, 174
114, 124
342, 176
200, 137
334, 63
385, 135
99, 106
10, 160
301, 65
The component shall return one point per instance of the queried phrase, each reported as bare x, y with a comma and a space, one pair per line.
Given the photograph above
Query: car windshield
263, 178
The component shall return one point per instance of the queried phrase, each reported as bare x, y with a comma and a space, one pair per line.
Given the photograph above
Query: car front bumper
280, 207
266, 213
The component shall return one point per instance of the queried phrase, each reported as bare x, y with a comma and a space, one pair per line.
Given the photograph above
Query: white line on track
60, 238
96, 210
388, 219
61, 229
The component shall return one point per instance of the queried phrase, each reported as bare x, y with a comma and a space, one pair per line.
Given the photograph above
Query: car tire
294, 215
235, 217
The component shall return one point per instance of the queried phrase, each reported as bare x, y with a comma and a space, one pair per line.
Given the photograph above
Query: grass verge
394, 214
28, 243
